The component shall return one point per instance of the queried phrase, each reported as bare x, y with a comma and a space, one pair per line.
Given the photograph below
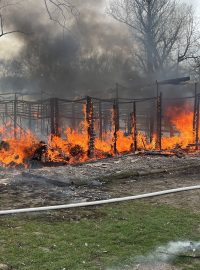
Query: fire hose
99, 202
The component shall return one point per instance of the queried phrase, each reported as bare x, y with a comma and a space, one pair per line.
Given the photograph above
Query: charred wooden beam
90, 128
197, 122
54, 116
29, 116
133, 118
15, 116
73, 118
151, 122
195, 108
100, 121
42, 112
159, 121
129, 124
116, 124
57, 117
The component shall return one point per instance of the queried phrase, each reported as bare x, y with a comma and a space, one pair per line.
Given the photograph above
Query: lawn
95, 238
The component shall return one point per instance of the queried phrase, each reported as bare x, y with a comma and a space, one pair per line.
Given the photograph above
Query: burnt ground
113, 177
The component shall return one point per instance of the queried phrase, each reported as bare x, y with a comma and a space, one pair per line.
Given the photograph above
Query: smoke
89, 57
163, 256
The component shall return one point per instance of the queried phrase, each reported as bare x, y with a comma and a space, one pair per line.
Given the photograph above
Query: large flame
18, 146
16, 150
181, 119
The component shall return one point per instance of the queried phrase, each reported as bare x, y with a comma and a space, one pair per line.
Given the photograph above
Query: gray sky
193, 2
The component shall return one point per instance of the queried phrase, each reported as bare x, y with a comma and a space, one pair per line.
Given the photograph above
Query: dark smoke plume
88, 59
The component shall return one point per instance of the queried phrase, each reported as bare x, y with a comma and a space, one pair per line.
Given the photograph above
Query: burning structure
75, 131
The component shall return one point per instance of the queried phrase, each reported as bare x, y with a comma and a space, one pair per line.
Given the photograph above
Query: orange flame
182, 121
73, 147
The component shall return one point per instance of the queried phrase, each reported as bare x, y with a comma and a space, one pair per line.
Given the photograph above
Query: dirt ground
114, 177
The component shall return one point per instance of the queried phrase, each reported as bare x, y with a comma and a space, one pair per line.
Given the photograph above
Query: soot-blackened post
100, 121
116, 124
159, 121
133, 119
90, 126
15, 116
195, 109
54, 116
197, 122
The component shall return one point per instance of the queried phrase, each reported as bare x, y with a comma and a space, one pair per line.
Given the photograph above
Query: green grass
95, 238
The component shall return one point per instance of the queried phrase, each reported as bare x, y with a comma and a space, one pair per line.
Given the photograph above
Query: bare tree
60, 10
163, 31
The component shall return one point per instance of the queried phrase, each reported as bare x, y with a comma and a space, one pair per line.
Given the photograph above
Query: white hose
84, 204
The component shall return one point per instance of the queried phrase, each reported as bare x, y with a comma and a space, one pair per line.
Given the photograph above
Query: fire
16, 150
18, 147
182, 120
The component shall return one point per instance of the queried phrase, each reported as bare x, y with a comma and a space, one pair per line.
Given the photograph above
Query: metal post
90, 130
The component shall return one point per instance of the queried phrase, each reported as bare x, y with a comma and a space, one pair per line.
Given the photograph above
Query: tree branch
63, 8
4, 33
